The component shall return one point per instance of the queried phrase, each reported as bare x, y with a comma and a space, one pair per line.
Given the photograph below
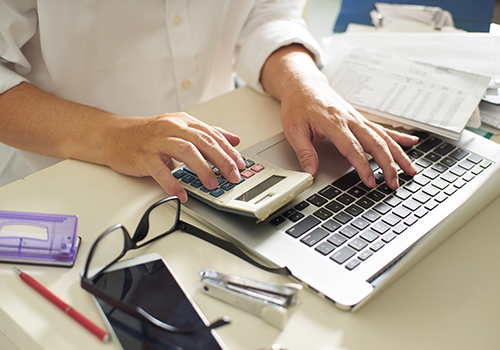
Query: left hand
312, 111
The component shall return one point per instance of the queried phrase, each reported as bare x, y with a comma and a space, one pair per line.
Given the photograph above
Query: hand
312, 111
144, 146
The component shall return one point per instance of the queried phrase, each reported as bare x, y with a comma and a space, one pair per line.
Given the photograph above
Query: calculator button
227, 186
249, 163
247, 173
257, 167
217, 192
188, 178
196, 183
179, 173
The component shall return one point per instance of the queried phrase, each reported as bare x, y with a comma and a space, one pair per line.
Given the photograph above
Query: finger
186, 152
216, 148
350, 147
162, 175
300, 140
401, 138
233, 139
377, 146
223, 138
398, 154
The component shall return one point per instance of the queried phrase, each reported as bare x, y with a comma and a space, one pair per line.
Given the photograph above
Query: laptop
346, 241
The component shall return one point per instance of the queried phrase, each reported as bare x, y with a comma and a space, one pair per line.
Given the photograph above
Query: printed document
426, 96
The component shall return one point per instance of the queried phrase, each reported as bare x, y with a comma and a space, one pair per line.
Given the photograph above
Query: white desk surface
447, 301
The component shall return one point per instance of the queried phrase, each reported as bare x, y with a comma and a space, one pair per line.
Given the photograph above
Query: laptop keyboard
350, 222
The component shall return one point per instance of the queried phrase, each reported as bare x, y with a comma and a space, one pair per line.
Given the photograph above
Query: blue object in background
469, 15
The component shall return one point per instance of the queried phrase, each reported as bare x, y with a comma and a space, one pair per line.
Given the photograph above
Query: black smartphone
147, 282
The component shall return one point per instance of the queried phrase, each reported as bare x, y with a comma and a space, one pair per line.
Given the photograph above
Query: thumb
306, 154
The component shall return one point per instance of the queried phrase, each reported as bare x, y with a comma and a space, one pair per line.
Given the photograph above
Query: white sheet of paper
426, 96
471, 52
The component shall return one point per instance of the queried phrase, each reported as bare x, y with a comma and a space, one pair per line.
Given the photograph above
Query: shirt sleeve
272, 24
18, 23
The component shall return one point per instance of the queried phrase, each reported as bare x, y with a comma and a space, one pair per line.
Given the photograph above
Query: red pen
47, 294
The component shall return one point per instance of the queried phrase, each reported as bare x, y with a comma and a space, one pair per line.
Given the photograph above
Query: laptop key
365, 202
377, 246
375, 195
337, 240
365, 255
349, 231
448, 162
317, 200
356, 192
329, 192
325, 248
331, 225
277, 221
296, 217
334, 206
343, 218
360, 224
458, 154
369, 236
347, 181
342, 255
346, 199
303, 226
354, 210
431, 143
444, 149
371, 216
322, 213
352, 264
314, 237
302, 205
358, 244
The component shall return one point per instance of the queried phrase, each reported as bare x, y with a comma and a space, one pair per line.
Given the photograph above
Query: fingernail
182, 196
395, 183
234, 176
371, 182
213, 183
240, 163
414, 168
308, 169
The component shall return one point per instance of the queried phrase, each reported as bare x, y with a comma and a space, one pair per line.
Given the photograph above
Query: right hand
143, 146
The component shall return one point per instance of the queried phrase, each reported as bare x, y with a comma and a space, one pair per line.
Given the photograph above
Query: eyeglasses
115, 242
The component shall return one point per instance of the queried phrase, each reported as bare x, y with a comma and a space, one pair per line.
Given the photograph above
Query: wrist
289, 69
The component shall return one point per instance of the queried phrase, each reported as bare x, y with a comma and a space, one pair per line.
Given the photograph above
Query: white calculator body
261, 191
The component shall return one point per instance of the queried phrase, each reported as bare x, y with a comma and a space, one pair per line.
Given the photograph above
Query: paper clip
267, 300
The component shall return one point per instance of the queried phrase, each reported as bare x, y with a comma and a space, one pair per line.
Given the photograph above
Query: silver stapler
267, 300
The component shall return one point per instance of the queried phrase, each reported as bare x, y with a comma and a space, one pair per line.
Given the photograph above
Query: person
105, 82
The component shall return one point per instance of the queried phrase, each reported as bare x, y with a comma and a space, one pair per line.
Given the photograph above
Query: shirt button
177, 20
186, 84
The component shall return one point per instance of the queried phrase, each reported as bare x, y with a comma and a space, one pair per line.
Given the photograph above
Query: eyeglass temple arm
229, 247
144, 315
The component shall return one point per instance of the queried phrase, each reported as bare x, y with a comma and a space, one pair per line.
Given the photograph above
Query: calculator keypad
187, 176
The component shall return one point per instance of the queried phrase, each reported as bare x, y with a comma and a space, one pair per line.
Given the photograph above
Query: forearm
289, 68
36, 121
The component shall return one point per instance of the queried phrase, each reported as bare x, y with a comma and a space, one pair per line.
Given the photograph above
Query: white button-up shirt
143, 58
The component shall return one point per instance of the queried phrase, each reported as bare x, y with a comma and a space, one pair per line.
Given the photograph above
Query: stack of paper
434, 97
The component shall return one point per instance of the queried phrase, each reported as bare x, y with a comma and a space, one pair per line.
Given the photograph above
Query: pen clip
265, 299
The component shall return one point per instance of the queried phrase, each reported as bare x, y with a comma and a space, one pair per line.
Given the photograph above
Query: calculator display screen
260, 188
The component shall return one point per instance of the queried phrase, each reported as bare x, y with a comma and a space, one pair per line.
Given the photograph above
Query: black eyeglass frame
131, 243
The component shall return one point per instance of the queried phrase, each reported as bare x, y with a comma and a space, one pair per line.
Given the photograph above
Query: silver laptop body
377, 259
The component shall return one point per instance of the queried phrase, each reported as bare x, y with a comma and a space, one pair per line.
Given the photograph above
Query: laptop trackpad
282, 154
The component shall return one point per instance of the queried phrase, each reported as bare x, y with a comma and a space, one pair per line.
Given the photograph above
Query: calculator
261, 191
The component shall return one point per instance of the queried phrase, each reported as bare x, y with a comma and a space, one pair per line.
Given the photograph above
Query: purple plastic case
40, 239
